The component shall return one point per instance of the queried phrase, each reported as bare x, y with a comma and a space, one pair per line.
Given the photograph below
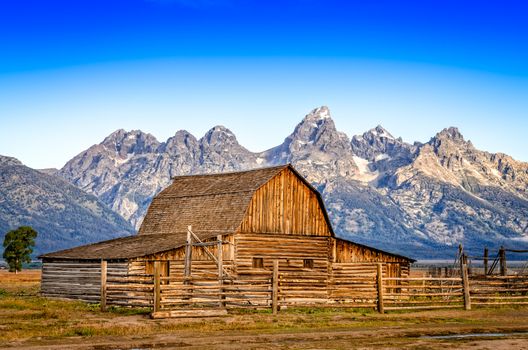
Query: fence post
157, 292
502, 257
103, 284
465, 282
220, 257
486, 261
275, 288
379, 284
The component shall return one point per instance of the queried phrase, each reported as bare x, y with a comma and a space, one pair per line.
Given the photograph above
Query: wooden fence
499, 290
423, 293
358, 285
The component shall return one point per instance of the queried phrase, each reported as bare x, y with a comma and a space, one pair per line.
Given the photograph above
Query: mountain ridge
422, 196
63, 215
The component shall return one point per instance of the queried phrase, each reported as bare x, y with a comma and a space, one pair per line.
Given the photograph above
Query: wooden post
188, 253
103, 284
275, 288
486, 261
465, 282
334, 250
468, 265
220, 257
379, 284
502, 259
157, 291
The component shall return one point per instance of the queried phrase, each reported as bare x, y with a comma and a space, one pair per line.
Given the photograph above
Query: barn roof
127, 247
216, 202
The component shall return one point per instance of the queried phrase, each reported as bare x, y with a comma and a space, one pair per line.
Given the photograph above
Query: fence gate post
103, 284
486, 261
502, 257
465, 281
157, 294
275, 288
379, 285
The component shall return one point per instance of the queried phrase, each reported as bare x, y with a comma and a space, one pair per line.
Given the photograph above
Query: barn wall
351, 252
72, 279
289, 250
348, 252
285, 204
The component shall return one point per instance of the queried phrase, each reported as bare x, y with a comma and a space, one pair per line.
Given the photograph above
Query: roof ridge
205, 194
282, 166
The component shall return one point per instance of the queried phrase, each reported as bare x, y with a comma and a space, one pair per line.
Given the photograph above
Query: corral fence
169, 292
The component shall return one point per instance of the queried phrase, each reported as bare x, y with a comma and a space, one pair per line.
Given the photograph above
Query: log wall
285, 204
76, 279
291, 251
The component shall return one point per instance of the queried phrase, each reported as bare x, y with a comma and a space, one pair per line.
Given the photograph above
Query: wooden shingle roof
126, 247
213, 202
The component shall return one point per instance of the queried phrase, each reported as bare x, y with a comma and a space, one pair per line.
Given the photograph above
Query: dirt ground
28, 321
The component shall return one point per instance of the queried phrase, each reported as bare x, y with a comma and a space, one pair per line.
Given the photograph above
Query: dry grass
27, 318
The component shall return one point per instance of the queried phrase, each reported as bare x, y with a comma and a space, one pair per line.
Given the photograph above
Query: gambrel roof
210, 202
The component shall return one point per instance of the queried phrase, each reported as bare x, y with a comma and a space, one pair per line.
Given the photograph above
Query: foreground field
28, 321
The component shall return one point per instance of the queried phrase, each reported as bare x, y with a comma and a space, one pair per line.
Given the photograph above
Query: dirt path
367, 338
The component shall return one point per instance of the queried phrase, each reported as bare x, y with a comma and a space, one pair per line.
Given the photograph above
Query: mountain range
420, 199
62, 214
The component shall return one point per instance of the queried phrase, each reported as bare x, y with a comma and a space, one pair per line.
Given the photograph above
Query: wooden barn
254, 218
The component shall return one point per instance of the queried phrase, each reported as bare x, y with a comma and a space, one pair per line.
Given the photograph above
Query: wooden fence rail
357, 285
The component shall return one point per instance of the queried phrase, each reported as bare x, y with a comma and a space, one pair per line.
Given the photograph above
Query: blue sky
71, 72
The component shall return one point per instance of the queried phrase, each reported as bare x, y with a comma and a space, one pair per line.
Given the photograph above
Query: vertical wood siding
285, 204
351, 252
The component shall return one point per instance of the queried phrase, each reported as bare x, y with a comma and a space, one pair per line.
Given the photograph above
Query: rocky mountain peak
317, 128
319, 113
8, 161
316, 148
130, 142
451, 133
182, 140
220, 151
452, 149
219, 134
378, 144
380, 131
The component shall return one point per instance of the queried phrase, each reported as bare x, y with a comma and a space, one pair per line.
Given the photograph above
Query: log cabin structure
254, 218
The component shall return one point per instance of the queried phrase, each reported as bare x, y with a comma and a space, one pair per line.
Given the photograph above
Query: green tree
18, 246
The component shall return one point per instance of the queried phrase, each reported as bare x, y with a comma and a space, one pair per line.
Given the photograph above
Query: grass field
30, 321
